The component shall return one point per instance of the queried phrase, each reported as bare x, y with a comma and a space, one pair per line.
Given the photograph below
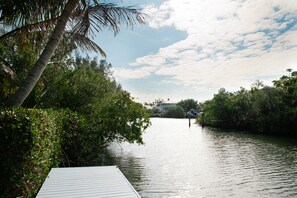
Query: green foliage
188, 104
114, 118
18, 56
29, 147
34, 17
265, 110
76, 89
174, 112
98, 111
103, 67
32, 141
218, 110
76, 141
92, 119
87, 89
154, 112
91, 110
121, 118
15, 60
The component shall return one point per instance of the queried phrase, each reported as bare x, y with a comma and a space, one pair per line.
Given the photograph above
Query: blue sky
190, 49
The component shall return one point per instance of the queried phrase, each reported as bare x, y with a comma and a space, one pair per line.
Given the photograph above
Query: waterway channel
178, 161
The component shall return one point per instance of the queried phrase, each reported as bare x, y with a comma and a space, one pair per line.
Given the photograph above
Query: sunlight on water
178, 161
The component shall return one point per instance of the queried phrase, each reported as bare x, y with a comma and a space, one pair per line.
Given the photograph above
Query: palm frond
30, 28
81, 22
84, 42
99, 16
18, 13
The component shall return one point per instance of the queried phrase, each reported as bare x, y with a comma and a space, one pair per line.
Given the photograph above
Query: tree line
178, 110
262, 109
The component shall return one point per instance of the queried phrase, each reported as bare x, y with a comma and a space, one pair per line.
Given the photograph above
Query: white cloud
229, 43
131, 73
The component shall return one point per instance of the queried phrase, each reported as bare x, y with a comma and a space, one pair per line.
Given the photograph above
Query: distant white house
163, 107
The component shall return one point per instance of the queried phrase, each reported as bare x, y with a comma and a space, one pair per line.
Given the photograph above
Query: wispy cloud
229, 43
122, 73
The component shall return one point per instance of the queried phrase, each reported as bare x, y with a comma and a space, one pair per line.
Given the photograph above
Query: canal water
178, 161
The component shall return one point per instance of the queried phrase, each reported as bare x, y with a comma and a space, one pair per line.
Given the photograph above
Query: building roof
80, 182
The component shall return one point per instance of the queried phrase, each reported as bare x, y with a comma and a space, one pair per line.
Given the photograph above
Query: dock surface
80, 182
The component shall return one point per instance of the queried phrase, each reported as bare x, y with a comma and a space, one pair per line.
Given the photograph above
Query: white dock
80, 182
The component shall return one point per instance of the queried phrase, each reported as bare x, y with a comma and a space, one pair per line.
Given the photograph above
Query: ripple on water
177, 161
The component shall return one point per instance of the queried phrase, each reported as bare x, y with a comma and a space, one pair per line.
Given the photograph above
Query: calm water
178, 161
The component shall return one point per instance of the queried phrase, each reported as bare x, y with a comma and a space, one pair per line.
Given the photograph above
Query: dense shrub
32, 141
121, 119
29, 147
264, 109
115, 118
174, 112
77, 141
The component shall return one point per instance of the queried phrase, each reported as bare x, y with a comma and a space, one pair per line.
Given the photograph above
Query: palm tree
290, 71
82, 17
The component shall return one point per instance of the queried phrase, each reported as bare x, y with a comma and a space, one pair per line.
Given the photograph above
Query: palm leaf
86, 20
18, 13
30, 28
99, 16
83, 42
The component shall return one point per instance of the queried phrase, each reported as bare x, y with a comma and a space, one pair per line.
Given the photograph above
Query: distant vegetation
159, 108
189, 104
262, 109
174, 112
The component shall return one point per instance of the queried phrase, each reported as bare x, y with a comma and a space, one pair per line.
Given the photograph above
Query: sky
192, 48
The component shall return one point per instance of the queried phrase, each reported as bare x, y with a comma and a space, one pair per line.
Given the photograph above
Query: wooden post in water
189, 121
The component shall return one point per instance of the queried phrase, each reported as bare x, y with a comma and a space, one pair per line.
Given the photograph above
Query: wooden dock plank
99, 181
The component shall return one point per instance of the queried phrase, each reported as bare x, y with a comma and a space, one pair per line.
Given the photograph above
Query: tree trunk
22, 93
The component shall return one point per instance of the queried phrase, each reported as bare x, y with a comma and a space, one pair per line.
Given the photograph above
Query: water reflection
178, 161
130, 165
254, 164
